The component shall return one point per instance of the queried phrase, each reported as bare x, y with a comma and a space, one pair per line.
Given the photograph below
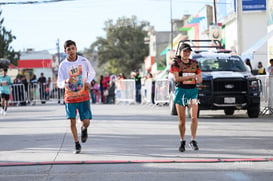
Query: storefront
36, 62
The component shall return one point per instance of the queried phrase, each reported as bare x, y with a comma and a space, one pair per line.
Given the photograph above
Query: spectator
111, 90
47, 88
137, 78
94, 91
122, 75
25, 90
42, 88
105, 85
150, 75
33, 87
247, 62
270, 68
101, 89
261, 69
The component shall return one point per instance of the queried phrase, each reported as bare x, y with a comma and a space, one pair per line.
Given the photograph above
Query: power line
32, 2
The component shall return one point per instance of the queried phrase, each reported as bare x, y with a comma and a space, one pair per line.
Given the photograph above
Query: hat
185, 46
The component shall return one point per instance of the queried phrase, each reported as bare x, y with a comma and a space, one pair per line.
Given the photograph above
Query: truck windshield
233, 63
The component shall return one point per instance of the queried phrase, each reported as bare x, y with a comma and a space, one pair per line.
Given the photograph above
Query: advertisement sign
254, 5
215, 32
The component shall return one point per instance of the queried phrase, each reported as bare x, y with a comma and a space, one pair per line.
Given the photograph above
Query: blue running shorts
83, 109
183, 96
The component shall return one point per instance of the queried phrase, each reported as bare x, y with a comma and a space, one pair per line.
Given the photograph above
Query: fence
33, 93
161, 91
125, 93
146, 91
266, 95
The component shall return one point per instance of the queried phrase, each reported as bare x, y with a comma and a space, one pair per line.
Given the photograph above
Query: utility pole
239, 26
215, 12
171, 15
58, 51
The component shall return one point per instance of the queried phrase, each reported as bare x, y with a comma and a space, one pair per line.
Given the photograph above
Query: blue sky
39, 26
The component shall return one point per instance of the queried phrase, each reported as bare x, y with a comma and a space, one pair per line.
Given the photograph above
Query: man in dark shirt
42, 86
138, 87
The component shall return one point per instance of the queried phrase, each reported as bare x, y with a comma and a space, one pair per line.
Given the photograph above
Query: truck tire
253, 112
229, 111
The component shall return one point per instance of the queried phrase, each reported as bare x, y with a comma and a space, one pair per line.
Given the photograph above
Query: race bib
190, 81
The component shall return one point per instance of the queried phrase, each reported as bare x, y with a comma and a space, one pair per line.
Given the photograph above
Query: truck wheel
229, 111
253, 112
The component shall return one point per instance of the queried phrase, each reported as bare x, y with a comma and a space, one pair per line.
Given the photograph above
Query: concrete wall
231, 35
254, 27
243, 34
270, 45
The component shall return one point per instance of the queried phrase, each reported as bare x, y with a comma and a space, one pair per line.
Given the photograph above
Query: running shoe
193, 145
84, 135
182, 146
78, 148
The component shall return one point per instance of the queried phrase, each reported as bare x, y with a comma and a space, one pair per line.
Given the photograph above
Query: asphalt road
133, 142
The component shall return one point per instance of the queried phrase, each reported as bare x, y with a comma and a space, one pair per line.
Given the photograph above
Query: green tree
123, 49
6, 51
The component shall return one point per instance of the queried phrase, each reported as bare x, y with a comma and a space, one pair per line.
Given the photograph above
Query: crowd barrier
34, 93
125, 92
266, 94
146, 91
161, 91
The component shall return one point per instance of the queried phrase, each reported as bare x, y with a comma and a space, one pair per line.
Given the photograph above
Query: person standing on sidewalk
186, 73
5, 82
75, 75
270, 68
42, 87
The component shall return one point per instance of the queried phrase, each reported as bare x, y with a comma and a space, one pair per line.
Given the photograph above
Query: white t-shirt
82, 73
270, 70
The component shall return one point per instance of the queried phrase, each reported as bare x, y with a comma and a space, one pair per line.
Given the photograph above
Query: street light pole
215, 12
171, 16
239, 25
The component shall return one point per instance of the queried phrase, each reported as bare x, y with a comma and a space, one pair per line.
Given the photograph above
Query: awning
195, 20
185, 28
191, 23
38, 63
